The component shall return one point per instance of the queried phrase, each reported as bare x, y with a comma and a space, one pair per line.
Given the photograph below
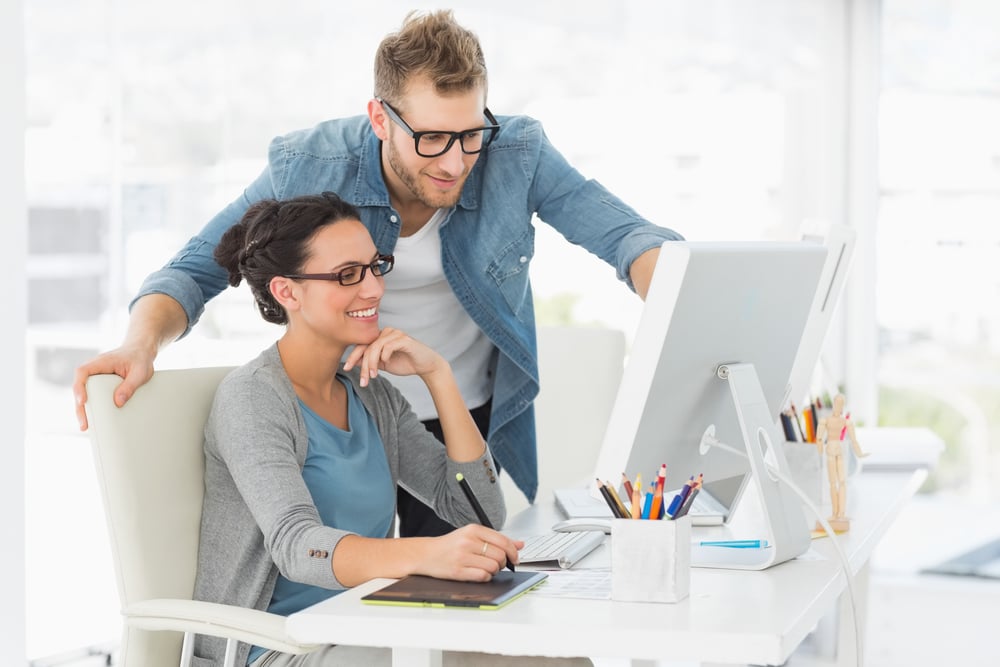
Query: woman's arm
397, 353
255, 448
426, 469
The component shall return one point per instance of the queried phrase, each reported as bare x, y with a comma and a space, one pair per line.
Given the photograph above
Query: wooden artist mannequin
830, 436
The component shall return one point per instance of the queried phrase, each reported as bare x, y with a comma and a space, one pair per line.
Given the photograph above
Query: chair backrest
150, 467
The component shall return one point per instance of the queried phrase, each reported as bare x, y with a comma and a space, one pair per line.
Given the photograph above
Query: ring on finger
486, 545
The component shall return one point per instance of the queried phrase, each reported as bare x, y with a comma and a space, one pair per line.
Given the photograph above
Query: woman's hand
470, 553
395, 352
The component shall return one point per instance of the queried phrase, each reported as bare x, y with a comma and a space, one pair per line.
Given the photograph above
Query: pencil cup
650, 560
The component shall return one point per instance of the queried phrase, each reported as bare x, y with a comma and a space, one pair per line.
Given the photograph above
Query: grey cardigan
258, 518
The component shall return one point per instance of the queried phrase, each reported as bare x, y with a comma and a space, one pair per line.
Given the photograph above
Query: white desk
735, 617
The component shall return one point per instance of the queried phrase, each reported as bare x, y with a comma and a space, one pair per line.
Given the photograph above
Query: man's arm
641, 271
156, 320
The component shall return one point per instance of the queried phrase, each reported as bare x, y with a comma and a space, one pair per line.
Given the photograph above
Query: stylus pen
736, 544
483, 519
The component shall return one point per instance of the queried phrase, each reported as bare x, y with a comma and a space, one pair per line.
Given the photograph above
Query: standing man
450, 190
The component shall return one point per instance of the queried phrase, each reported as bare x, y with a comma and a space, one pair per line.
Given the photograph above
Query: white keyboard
566, 549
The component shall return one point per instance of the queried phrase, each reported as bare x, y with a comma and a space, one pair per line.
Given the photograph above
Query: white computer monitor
839, 241
740, 306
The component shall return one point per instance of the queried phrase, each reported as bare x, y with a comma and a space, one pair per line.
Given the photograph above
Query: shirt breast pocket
510, 270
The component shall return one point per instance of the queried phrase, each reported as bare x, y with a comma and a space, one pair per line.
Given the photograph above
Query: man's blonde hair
433, 45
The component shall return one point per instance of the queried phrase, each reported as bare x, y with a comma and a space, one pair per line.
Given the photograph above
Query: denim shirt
487, 242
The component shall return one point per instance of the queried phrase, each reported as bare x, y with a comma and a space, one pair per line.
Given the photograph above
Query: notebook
420, 591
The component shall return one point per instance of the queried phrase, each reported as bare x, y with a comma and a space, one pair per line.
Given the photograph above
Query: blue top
349, 480
487, 242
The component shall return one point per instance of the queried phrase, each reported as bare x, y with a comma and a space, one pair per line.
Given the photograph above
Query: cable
844, 562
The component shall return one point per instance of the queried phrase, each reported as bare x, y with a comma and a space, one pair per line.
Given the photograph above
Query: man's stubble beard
410, 180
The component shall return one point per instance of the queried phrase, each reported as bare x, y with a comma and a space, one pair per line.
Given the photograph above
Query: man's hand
133, 365
156, 320
641, 271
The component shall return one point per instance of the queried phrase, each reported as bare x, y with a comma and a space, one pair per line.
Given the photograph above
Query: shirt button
393, 218
523, 259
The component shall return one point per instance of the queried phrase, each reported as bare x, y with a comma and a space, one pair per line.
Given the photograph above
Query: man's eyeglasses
353, 274
433, 143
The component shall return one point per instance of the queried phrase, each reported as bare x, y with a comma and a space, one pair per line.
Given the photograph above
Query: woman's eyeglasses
353, 274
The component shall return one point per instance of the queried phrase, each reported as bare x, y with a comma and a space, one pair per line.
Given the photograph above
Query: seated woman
302, 458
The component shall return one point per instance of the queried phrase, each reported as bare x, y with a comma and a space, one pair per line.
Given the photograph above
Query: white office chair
579, 369
150, 468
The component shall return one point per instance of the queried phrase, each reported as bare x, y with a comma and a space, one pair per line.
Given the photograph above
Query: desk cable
845, 565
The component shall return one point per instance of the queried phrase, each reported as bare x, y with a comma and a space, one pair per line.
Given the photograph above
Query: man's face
436, 182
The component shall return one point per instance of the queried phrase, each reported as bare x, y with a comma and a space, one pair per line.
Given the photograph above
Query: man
448, 189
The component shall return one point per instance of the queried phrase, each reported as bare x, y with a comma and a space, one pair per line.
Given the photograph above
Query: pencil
627, 485
618, 501
615, 512
798, 424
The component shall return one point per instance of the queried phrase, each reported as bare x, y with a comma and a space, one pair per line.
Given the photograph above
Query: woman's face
348, 314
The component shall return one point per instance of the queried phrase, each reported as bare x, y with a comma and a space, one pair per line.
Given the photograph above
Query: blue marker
737, 544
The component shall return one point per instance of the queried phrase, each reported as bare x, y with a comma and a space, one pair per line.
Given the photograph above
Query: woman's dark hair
272, 240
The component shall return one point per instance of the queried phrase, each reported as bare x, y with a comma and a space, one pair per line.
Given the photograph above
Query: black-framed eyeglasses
353, 274
432, 143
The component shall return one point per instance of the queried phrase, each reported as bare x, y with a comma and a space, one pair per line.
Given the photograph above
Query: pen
843, 431
737, 544
483, 519
675, 504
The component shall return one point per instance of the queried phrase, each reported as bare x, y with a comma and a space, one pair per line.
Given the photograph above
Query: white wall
13, 251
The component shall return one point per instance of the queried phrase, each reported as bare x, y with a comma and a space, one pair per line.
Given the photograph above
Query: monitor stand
781, 510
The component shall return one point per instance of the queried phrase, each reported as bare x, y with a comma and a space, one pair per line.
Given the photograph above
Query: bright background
720, 119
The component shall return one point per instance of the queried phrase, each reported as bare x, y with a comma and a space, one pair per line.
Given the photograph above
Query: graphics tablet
420, 591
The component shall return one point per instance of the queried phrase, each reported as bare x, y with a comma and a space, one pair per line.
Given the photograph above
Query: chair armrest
217, 620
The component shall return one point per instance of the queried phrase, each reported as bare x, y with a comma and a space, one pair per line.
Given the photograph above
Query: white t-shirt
419, 300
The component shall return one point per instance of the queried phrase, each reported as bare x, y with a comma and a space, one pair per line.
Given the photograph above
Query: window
938, 240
